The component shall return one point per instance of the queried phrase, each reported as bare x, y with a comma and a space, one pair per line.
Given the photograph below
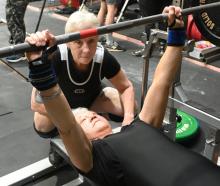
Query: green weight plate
187, 127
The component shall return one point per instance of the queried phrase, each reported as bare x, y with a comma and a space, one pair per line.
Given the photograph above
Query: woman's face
83, 50
94, 125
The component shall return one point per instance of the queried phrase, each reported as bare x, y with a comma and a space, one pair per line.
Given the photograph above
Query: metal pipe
40, 16
26, 47
213, 121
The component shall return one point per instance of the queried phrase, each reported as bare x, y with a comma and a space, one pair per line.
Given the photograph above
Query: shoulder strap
63, 52
99, 55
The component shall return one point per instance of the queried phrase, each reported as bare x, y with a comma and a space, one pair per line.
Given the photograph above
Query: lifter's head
94, 125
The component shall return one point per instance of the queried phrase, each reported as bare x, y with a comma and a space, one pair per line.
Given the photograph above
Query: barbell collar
26, 47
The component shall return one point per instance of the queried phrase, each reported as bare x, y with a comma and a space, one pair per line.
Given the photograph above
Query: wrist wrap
176, 37
41, 72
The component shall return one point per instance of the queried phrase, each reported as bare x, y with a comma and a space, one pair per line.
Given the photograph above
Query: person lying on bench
140, 154
80, 67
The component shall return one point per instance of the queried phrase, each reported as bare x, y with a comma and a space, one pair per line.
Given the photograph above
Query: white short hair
80, 111
81, 20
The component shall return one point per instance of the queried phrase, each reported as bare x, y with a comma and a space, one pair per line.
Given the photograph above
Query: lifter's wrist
128, 118
176, 36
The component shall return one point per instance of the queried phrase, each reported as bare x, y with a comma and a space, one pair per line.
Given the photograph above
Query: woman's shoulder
107, 54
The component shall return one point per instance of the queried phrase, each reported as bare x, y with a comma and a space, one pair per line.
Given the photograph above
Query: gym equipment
58, 148
40, 16
210, 55
205, 51
208, 22
83, 5
20, 48
122, 10
29, 173
204, 25
212, 146
187, 126
192, 31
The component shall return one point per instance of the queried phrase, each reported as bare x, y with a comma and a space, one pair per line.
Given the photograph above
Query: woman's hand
39, 39
174, 16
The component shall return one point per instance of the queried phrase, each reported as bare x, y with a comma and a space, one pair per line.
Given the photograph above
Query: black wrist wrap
41, 72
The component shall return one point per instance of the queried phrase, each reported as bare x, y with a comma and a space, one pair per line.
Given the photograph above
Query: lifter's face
94, 125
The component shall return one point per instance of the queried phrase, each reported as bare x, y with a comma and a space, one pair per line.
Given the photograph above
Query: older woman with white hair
81, 66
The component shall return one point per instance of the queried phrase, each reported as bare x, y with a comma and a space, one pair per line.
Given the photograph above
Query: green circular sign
187, 127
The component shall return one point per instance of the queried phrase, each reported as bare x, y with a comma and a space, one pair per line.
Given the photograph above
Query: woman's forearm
168, 65
128, 101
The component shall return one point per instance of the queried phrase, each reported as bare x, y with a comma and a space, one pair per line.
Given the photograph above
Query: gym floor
21, 146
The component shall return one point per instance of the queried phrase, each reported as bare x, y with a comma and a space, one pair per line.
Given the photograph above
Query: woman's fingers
41, 38
50, 38
174, 16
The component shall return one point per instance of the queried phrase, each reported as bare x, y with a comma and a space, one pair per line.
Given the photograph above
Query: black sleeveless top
141, 155
82, 87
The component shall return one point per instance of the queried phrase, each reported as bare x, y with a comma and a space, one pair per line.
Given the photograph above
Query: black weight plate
208, 21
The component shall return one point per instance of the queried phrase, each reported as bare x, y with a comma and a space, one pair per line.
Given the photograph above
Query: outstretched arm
156, 99
77, 144
43, 78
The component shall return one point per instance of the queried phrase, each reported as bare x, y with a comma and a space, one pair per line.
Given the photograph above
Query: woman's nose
85, 47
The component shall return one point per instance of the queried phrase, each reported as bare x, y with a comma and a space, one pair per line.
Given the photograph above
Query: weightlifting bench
58, 152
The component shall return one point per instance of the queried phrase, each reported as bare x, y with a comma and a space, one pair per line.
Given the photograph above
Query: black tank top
82, 87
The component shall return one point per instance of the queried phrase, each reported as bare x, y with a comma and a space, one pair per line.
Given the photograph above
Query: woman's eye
78, 42
91, 41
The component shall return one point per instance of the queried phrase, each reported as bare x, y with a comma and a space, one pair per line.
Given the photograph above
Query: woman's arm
43, 78
35, 106
155, 102
157, 96
126, 90
77, 144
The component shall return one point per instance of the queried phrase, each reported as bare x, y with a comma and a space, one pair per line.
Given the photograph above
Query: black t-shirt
82, 87
141, 155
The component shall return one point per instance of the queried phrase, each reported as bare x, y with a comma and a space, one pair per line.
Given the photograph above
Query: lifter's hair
81, 20
80, 111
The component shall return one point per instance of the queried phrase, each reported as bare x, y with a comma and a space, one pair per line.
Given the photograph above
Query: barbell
202, 10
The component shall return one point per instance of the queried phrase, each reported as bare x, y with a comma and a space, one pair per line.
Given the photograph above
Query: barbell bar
64, 38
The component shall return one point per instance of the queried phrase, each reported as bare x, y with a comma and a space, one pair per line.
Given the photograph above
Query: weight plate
208, 21
187, 127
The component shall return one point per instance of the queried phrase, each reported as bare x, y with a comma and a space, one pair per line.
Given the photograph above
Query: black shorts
51, 134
